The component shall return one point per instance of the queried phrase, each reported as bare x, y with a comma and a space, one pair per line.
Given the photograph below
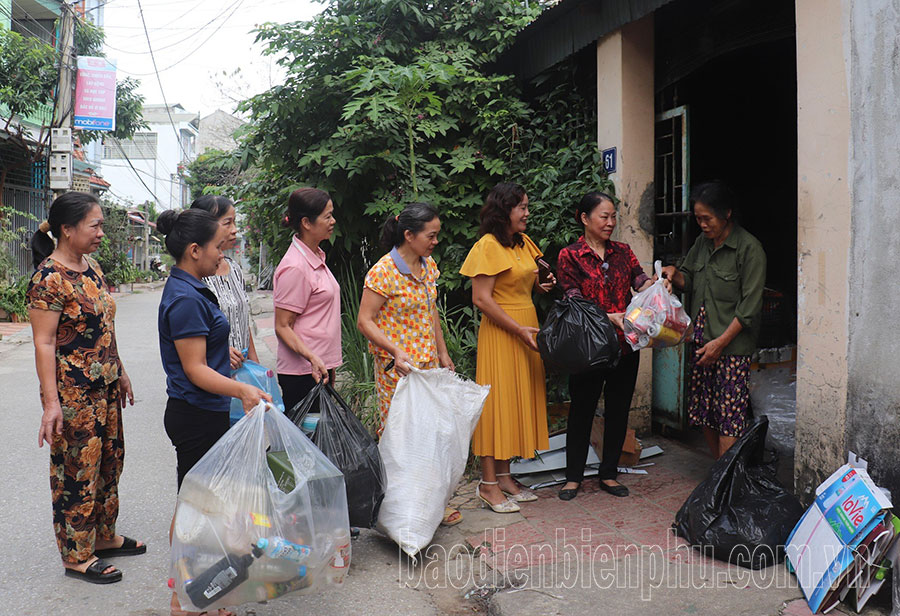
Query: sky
194, 42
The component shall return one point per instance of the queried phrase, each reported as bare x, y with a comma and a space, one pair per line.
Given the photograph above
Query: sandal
94, 573
449, 520
524, 495
129, 547
506, 506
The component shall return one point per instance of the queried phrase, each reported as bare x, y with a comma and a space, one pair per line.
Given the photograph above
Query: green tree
390, 101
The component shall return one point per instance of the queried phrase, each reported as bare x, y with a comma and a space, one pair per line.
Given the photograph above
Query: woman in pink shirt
307, 299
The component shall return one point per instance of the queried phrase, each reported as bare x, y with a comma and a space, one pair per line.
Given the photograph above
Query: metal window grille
141, 146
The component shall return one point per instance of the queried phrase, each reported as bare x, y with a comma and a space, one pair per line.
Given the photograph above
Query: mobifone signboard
95, 94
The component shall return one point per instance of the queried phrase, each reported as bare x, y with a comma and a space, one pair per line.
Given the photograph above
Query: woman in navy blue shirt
193, 342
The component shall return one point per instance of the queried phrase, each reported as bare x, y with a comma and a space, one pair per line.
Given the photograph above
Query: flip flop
129, 547
94, 573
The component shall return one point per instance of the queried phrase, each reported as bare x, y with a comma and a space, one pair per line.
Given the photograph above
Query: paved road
32, 575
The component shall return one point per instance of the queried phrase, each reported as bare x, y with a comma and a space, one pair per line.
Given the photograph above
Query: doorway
731, 66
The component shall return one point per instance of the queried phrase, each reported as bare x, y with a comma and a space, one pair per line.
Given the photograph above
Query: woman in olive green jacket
723, 276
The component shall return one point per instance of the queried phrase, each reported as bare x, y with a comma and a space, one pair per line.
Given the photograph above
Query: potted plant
13, 301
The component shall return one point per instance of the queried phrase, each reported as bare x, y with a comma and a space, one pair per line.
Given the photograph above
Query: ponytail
413, 218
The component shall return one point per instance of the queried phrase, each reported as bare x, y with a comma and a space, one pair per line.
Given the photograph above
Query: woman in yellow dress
503, 271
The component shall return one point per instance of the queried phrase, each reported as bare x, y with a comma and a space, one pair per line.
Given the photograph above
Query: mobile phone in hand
545, 272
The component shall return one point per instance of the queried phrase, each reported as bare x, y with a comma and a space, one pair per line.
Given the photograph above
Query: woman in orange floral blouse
83, 388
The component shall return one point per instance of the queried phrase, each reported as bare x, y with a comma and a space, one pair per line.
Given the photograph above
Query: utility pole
61, 126
145, 258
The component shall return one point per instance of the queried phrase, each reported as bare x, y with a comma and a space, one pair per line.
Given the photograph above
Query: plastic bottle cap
302, 571
171, 583
263, 543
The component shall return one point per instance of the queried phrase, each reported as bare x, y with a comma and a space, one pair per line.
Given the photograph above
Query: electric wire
159, 81
188, 54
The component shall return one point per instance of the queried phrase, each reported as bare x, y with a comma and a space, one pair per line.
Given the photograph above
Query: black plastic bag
344, 440
577, 336
741, 513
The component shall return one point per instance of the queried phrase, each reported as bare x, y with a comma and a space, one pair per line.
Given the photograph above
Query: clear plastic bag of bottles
655, 317
261, 515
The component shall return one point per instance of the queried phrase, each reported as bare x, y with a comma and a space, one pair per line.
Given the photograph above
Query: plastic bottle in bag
272, 590
279, 547
340, 560
221, 578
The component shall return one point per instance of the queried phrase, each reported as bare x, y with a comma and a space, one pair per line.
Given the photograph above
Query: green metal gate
672, 208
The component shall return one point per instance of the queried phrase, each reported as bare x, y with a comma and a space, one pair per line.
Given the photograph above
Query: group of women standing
204, 333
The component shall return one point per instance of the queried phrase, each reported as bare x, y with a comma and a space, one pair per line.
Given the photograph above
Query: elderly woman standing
398, 311
604, 272
83, 388
723, 276
228, 282
504, 273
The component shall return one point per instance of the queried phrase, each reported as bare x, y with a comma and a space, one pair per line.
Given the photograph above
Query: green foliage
10, 236
211, 170
27, 74
460, 328
12, 297
112, 254
391, 101
356, 376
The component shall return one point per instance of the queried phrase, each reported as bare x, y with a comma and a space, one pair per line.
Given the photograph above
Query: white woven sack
424, 447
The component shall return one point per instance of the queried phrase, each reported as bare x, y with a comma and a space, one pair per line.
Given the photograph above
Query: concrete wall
873, 409
625, 120
823, 242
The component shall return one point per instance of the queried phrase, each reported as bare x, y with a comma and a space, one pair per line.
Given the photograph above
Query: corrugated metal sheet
567, 28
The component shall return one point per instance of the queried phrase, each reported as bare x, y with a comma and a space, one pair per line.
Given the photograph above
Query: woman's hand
401, 363
236, 358
547, 286
51, 424
251, 396
126, 394
446, 362
617, 319
319, 371
526, 336
710, 352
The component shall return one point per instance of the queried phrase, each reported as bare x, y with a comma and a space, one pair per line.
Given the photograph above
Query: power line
159, 81
188, 54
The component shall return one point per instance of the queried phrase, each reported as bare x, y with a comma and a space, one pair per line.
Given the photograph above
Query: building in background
150, 166
217, 132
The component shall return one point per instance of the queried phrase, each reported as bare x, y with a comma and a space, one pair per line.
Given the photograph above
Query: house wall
157, 174
625, 120
823, 242
873, 404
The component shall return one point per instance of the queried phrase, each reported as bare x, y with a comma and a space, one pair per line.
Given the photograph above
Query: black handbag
577, 336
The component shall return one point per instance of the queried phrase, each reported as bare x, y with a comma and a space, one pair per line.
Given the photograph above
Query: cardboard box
823, 546
631, 450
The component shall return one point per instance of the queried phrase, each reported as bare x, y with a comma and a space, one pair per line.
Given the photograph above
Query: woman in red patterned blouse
605, 272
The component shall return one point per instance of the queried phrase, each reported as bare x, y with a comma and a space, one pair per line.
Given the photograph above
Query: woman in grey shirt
228, 283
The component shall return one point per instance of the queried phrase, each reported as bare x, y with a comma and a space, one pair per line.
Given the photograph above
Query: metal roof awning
566, 29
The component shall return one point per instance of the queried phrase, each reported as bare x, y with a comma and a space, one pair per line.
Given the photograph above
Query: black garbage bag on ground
344, 440
577, 336
741, 513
